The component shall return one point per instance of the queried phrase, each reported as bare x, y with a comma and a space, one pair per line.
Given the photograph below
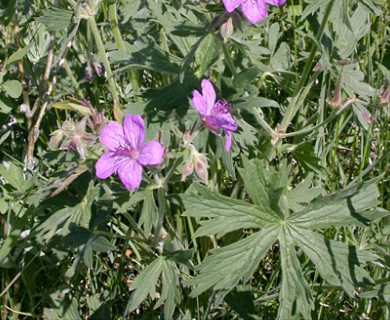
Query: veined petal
228, 141
223, 121
151, 153
276, 2
130, 174
230, 5
111, 136
209, 95
254, 10
106, 165
134, 130
199, 103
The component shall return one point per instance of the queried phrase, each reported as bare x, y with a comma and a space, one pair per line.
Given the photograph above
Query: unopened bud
366, 115
227, 29
187, 170
384, 95
55, 139
201, 167
98, 68
187, 138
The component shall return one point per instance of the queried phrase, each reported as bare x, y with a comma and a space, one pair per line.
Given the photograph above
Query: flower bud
201, 167
227, 29
187, 170
187, 138
55, 139
384, 95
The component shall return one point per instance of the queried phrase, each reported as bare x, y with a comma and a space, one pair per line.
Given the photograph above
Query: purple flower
214, 115
127, 153
253, 10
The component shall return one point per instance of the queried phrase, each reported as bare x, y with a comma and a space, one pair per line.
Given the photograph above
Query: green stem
114, 26
161, 215
228, 59
294, 106
113, 17
172, 170
111, 83
263, 123
310, 129
65, 64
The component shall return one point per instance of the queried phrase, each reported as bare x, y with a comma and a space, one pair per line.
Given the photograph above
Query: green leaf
56, 19
12, 173
255, 182
241, 301
145, 284
281, 60
149, 213
4, 108
13, 88
146, 54
313, 7
295, 295
302, 194
338, 263
349, 206
20, 53
380, 291
245, 78
83, 110
170, 293
226, 266
208, 52
169, 18
225, 214
179, 256
101, 244
11, 240
255, 102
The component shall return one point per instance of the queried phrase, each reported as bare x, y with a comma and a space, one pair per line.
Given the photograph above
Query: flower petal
130, 174
254, 10
276, 2
208, 93
111, 136
224, 121
134, 130
199, 103
106, 165
230, 5
228, 141
151, 153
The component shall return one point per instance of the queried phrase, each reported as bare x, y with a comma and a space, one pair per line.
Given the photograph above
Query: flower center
221, 106
134, 154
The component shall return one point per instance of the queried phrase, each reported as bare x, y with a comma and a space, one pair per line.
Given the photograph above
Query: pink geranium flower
127, 153
214, 115
253, 10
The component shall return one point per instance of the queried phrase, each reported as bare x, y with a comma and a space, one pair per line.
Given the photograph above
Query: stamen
221, 106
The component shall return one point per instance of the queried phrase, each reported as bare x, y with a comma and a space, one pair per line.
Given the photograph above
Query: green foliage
291, 223
338, 263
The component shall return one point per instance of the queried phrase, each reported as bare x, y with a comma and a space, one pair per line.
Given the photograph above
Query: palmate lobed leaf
228, 265
338, 263
295, 295
145, 284
349, 206
225, 214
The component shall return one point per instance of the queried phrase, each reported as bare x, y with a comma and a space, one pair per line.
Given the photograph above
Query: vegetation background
291, 223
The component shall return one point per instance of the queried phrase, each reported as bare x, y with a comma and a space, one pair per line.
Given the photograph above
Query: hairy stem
111, 83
